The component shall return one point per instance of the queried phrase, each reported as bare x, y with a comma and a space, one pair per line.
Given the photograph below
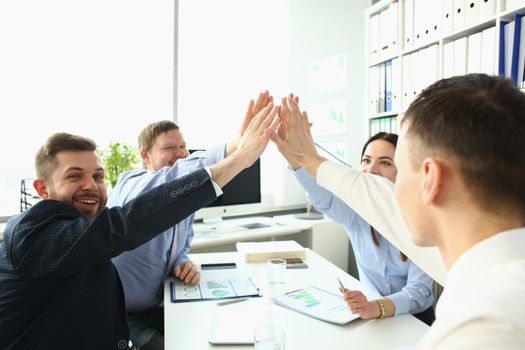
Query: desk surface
187, 325
207, 235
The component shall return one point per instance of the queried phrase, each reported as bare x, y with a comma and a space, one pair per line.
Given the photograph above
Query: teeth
87, 201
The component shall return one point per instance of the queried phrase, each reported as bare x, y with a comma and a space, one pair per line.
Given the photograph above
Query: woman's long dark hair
392, 138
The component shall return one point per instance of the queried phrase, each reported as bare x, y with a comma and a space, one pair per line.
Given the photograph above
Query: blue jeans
146, 329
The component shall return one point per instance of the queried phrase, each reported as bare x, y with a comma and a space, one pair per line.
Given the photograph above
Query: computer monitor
241, 196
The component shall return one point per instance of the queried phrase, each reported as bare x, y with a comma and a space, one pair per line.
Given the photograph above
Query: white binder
474, 53
488, 51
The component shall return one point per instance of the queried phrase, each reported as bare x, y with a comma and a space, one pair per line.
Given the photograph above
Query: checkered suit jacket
58, 287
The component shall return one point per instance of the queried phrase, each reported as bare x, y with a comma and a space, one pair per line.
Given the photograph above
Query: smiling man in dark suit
58, 287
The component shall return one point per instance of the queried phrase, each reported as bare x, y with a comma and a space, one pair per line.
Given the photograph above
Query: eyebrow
74, 168
383, 157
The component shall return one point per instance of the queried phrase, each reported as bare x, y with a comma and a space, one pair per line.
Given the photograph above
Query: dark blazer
58, 287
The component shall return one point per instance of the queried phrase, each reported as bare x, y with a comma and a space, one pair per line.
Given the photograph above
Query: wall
322, 29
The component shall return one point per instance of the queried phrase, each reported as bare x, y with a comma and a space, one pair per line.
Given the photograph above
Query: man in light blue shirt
143, 270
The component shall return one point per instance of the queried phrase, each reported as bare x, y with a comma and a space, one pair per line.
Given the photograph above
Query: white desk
187, 325
324, 236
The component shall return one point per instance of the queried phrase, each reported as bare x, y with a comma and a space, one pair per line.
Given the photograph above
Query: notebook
234, 324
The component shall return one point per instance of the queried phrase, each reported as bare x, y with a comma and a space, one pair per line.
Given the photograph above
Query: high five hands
293, 138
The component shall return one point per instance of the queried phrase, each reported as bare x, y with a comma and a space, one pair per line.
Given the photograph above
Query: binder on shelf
447, 12
373, 95
508, 44
472, 11
516, 39
458, 18
487, 8
448, 59
384, 34
406, 87
501, 49
374, 38
474, 53
382, 86
514, 4
460, 56
488, 51
408, 24
394, 33
388, 86
521, 56
396, 84
419, 18
433, 30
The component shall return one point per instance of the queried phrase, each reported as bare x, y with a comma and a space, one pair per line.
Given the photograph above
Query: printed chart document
317, 303
215, 284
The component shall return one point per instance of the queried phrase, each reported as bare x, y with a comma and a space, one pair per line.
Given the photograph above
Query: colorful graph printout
215, 285
317, 303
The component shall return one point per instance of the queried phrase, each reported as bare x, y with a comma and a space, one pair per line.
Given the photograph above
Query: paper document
317, 303
215, 284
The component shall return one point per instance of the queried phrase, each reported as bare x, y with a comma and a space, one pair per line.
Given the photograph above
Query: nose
373, 168
182, 153
89, 184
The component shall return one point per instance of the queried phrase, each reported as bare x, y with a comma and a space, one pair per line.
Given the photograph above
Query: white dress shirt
482, 303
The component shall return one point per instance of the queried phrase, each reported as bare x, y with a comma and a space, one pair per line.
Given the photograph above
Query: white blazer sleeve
373, 198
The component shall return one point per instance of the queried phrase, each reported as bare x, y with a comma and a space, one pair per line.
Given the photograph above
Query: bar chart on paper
317, 303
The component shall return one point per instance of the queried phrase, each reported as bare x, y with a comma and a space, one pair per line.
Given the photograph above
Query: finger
272, 129
196, 278
259, 103
185, 270
272, 119
177, 271
190, 275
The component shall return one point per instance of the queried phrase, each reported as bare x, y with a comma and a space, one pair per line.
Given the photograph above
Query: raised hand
293, 138
254, 107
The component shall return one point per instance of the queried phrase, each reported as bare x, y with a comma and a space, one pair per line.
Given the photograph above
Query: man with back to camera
144, 269
459, 188
58, 287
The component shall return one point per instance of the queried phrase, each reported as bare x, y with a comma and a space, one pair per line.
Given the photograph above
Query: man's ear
433, 183
41, 188
144, 155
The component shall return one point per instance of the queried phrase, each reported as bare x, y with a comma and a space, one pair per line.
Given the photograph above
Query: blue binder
388, 86
516, 50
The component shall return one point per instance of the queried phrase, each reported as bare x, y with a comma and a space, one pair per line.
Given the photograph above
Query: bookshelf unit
409, 44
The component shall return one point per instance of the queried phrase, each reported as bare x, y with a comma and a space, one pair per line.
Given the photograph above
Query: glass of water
269, 338
276, 269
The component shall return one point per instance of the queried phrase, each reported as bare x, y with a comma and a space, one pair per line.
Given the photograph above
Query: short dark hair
45, 160
392, 138
478, 121
148, 135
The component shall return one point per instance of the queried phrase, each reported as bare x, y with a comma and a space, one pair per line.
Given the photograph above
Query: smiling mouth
87, 201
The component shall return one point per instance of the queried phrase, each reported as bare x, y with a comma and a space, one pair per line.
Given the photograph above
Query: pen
341, 284
231, 301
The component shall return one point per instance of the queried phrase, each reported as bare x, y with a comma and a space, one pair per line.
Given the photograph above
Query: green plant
118, 157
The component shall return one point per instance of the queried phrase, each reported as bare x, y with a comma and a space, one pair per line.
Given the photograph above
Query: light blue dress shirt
380, 267
143, 270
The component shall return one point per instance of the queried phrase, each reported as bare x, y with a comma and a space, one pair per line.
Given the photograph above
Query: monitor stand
311, 214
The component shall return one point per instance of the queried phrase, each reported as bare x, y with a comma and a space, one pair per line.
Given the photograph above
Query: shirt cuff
218, 190
401, 301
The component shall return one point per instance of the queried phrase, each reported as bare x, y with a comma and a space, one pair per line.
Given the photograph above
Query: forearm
224, 171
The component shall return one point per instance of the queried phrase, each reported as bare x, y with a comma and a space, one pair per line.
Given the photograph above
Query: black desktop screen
245, 188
